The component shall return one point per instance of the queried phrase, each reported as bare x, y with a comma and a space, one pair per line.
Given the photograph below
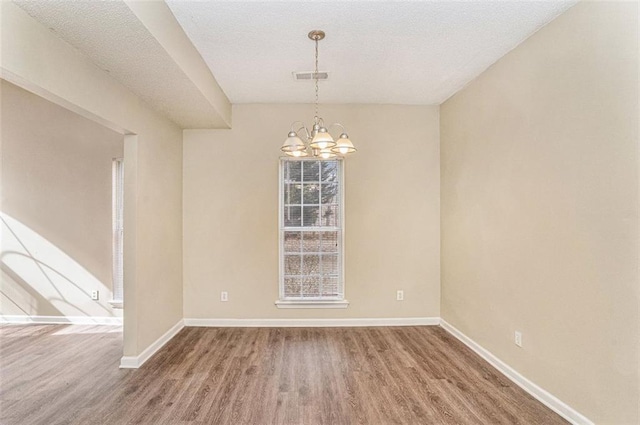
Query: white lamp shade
326, 153
293, 143
343, 145
322, 140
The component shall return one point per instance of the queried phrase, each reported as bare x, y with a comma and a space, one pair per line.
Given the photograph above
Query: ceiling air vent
310, 75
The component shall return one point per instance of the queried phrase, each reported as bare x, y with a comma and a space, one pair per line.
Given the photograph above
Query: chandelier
317, 142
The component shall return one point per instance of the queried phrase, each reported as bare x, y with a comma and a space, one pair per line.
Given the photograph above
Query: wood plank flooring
68, 374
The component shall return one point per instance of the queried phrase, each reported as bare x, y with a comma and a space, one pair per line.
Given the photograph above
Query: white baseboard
546, 398
61, 320
309, 323
134, 362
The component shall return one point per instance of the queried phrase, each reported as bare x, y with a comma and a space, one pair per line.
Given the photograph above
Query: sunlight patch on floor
76, 330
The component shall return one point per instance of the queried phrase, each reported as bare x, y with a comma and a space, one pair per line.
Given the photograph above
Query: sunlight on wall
38, 278
14, 299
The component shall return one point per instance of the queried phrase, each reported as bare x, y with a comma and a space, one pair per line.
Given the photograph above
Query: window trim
312, 304
117, 226
315, 302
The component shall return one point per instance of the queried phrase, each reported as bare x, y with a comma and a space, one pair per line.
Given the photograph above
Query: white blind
118, 228
310, 230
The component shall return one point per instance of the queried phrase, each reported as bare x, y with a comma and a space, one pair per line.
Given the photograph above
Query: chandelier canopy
318, 142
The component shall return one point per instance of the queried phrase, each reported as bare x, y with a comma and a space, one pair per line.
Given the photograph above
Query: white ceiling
111, 35
404, 52
376, 52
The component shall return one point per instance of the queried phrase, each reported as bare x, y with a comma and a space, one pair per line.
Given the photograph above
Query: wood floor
68, 374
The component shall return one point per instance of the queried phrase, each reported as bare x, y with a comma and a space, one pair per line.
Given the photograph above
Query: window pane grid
310, 193
311, 263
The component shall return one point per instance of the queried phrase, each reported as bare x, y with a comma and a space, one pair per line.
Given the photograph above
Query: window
117, 210
311, 233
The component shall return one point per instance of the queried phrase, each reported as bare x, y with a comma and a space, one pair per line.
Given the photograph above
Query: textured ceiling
412, 52
114, 39
376, 52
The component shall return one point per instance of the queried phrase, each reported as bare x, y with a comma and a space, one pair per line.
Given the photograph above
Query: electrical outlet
95, 295
224, 296
518, 339
399, 295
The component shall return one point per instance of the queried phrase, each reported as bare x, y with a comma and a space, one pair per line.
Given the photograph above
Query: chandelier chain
316, 76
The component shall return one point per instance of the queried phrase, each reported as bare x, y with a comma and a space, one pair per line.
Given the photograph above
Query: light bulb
326, 154
297, 154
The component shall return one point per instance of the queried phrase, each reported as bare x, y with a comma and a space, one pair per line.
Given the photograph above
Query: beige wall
540, 210
34, 58
56, 208
392, 196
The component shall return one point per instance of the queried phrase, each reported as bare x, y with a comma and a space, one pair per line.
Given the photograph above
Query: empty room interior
319, 212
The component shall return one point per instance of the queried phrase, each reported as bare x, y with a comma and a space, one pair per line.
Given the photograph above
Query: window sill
116, 304
312, 304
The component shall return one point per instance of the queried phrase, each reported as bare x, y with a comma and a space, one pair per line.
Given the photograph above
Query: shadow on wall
39, 279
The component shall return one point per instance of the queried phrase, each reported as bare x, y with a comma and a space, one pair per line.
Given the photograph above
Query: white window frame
320, 302
117, 222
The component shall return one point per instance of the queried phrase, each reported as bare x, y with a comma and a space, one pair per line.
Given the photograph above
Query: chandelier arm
293, 129
344, 130
294, 123
306, 131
